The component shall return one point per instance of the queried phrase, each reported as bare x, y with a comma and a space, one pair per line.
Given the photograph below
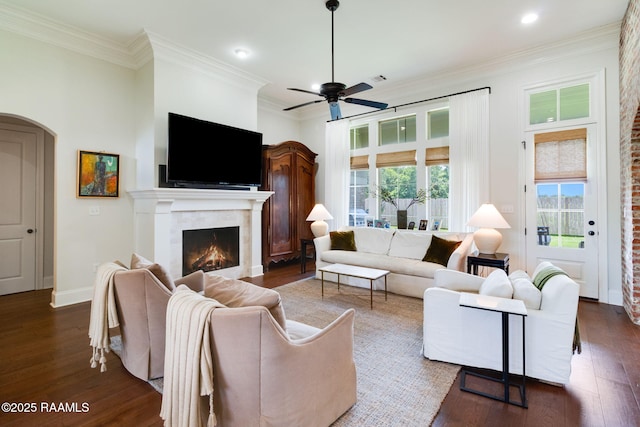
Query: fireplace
210, 249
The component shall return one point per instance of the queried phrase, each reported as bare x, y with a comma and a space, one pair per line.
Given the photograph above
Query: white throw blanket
103, 313
188, 363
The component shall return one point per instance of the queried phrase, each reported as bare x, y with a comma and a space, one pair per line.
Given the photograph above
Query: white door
561, 212
18, 173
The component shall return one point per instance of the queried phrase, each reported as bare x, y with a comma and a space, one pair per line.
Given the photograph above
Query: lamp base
487, 240
319, 228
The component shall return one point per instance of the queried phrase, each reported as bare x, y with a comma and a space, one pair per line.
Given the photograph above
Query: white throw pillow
519, 274
497, 284
409, 245
525, 290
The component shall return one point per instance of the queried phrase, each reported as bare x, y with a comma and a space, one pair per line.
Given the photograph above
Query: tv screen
202, 154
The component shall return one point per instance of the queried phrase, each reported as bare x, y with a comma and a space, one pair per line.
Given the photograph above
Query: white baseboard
75, 296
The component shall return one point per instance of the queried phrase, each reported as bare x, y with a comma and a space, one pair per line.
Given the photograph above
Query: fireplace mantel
160, 211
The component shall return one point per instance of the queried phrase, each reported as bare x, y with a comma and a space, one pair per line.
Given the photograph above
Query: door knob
592, 233
30, 230
592, 222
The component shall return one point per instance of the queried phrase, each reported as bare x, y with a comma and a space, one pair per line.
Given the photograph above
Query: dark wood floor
44, 360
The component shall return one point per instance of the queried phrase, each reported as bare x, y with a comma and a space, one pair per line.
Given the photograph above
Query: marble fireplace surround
161, 214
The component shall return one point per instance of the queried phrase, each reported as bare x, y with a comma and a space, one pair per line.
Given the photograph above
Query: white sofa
472, 337
399, 251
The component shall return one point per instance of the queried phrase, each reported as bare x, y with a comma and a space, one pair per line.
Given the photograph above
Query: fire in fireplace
210, 249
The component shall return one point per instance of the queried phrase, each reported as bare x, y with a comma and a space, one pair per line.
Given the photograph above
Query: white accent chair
472, 338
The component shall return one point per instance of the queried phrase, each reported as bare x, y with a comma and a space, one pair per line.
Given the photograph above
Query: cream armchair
473, 337
263, 377
141, 301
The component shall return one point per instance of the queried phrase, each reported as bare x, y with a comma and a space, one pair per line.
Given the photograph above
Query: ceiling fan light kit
333, 91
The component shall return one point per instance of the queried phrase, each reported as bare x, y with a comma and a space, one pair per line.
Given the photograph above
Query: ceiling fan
333, 91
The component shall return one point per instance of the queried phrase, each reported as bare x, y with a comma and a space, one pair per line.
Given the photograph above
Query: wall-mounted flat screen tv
203, 154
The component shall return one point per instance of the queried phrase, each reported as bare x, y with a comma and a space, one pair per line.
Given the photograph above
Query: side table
505, 307
497, 260
303, 253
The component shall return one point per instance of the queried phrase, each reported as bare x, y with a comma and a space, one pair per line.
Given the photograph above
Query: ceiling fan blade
360, 87
303, 105
334, 108
305, 91
372, 104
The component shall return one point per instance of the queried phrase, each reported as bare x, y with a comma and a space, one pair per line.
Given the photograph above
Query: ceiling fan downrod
332, 5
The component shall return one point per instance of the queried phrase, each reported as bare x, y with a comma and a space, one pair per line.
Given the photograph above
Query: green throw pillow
440, 250
342, 241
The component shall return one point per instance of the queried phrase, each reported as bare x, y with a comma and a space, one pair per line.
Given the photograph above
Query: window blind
398, 158
561, 155
359, 162
436, 156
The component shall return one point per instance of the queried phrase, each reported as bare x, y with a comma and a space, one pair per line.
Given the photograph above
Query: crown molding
134, 54
167, 50
42, 28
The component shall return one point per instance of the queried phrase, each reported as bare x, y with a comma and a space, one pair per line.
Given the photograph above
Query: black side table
497, 260
303, 253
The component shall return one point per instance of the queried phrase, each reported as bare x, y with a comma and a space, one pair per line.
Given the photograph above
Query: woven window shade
437, 156
399, 158
359, 162
561, 155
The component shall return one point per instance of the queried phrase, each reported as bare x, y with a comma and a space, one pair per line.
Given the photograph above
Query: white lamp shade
318, 215
487, 238
487, 216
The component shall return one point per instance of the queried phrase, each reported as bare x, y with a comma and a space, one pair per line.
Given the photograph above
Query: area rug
396, 384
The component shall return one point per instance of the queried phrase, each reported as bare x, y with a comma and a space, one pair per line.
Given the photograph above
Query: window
359, 137
399, 183
567, 103
560, 216
397, 131
438, 123
389, 155
437, 162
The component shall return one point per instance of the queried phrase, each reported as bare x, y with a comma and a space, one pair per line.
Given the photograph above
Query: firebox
210, 249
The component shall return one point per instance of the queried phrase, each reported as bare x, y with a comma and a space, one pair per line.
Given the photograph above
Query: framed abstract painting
98, 174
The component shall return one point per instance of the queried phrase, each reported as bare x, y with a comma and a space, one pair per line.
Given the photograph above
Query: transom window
565, 103
397, 131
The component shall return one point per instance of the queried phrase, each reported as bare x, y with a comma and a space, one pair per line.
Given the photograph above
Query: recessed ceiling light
241, 53
529, 18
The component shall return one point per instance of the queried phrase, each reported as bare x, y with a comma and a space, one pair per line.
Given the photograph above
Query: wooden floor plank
44, 357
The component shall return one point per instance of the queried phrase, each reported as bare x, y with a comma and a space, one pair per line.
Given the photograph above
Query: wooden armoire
288, 169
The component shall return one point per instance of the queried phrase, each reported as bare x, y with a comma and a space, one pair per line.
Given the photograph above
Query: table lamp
487, 238
318, 215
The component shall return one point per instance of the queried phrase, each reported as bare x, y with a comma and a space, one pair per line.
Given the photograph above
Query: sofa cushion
524, 290
138, 261
497, 284
373, 240
409, 245
440, 250
236, 293
342, 240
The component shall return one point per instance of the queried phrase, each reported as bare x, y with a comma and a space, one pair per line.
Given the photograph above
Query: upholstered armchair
471, 337
264, 377
141, 302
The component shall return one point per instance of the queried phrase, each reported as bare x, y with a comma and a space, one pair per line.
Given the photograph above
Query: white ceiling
290, 40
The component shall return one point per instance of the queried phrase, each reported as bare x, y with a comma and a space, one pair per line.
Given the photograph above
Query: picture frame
98, 174
423, 224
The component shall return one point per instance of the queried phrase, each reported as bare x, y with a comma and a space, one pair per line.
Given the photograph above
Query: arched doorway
27, 151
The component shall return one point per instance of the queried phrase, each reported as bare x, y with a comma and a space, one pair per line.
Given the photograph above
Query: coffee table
355, 271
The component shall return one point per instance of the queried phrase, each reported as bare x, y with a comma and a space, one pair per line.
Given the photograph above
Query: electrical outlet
94, 210
95, 267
